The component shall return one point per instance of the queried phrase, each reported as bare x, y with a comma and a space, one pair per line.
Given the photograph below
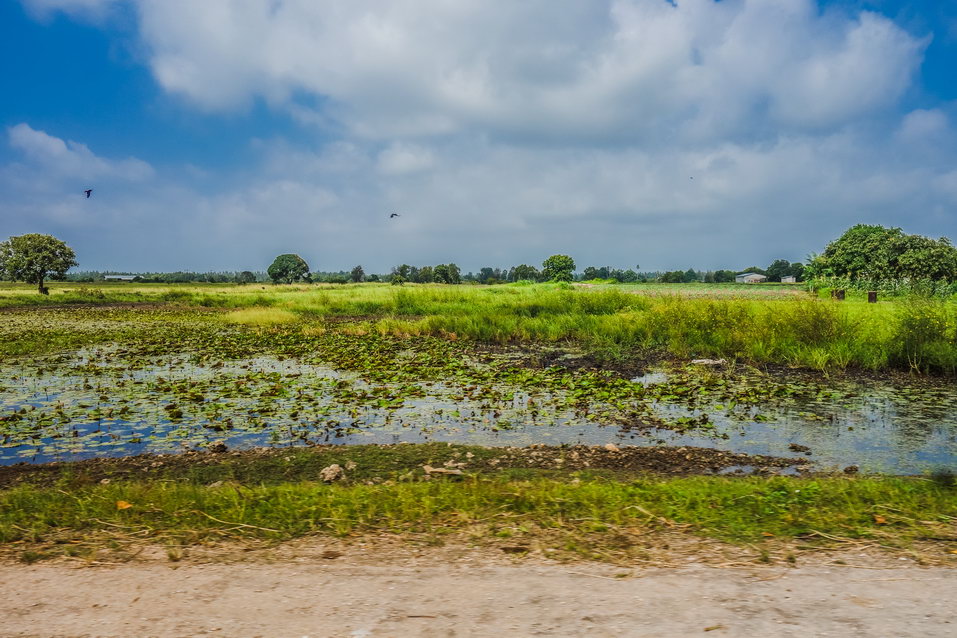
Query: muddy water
85, 411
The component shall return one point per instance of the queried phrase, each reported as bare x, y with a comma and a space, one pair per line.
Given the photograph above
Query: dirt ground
444, 593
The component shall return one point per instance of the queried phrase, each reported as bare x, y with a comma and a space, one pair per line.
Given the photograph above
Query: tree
723, 276
287, 269
797, 271
590, 273
780, 268
358, 274
689, 276
558, 268
628, 276
878, 253
454, 274
33, 258
425, 275
524, 273
245, 277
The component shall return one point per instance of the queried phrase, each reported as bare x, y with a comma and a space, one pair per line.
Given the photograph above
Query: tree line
864, 253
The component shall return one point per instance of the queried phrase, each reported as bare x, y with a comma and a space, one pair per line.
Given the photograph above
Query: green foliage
524, 273
780, 268
357, 274
447, 274
245, 277
288, 269
871, 252
33, 258
558, 268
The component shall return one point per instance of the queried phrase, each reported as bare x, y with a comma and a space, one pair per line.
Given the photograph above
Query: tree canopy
878, 253
33, 258
558, 268
288, 269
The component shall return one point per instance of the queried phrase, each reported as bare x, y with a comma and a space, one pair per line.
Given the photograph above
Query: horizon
618, 132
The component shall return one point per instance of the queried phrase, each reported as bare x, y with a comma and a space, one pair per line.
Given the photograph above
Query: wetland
577, 420
123, 379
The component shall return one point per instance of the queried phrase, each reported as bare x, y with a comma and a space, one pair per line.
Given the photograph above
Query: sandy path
330, 599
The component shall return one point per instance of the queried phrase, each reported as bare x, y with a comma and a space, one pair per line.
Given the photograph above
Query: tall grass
917, 333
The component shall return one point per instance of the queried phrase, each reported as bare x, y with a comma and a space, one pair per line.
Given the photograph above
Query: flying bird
88, 192
393, 215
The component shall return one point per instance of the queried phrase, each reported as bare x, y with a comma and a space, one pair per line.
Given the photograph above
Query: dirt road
328, 598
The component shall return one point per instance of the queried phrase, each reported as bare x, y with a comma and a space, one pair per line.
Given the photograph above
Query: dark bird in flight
393, 215
88, 193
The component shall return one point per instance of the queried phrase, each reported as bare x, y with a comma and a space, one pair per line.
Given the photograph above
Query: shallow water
91, 408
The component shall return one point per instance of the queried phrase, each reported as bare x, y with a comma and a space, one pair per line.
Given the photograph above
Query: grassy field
388, 345
783, 326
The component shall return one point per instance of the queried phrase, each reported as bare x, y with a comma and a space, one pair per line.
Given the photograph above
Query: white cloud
68, 158
506, 131
399, 159
602, 70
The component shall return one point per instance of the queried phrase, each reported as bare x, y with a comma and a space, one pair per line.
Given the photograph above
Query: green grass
892, 511
908, 333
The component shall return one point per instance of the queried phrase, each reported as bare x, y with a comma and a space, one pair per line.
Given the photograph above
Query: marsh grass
909, 333
262, 316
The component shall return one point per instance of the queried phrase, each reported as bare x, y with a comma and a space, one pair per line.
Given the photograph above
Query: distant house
789, 279
749, 278
119, 277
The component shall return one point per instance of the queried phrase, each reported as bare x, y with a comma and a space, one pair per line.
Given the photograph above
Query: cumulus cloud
404, 158
696, 133
72, 159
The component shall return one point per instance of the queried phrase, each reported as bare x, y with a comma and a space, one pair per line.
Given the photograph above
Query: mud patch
382, 462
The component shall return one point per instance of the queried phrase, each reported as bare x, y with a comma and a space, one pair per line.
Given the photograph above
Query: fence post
838, 294
871, 296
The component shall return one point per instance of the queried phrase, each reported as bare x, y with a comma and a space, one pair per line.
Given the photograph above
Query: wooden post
871, 296
839, 294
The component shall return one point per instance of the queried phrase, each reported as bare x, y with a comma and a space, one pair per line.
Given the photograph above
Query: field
190, 414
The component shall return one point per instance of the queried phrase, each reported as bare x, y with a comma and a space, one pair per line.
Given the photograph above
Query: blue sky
218, 134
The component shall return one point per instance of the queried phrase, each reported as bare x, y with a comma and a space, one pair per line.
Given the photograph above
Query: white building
749, 278
790, 279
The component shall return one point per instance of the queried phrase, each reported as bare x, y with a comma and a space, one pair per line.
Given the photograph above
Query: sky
218, 134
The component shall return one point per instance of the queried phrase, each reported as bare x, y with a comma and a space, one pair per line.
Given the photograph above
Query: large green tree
288, 269
34, 258
875, 252
558, 268
779, 268
358, 274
